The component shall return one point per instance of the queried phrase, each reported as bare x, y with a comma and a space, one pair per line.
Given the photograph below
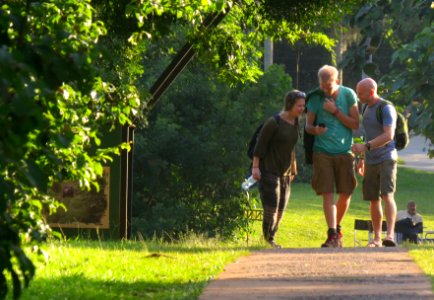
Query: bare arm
255, 168
377, 142
351, 120
293, 163
361, 167
383, 138
310, 128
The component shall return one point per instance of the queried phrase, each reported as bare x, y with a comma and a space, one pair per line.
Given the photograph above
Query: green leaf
370, 69
35, 176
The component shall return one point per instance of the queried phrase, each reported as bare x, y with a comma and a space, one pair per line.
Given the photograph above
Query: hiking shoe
339, 241
331, 242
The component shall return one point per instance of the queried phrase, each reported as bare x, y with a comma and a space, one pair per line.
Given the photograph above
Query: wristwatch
368, 146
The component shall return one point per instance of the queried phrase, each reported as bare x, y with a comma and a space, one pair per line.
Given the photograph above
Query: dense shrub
190, 161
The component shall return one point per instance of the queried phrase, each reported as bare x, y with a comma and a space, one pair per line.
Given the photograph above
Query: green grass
423, 256
157, 270
303, 224
130, 269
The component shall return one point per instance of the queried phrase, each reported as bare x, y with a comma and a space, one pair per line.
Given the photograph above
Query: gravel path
348, 273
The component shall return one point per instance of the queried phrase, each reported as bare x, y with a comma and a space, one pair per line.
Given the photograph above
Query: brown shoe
331, 242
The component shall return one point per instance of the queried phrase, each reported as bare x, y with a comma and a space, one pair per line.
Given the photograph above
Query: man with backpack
378, 160
332, 113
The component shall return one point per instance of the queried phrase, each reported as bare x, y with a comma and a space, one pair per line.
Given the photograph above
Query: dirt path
348, 273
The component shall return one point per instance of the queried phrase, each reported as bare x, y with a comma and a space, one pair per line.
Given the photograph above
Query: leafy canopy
70, 69
407, 26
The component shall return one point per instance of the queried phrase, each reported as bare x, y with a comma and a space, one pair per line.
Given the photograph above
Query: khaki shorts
330, 171
379, 179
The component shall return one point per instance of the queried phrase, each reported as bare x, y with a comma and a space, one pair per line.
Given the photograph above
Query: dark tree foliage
70, 69
406, 26
190, 161
54, 107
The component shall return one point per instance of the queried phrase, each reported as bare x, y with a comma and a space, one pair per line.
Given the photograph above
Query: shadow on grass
155, 246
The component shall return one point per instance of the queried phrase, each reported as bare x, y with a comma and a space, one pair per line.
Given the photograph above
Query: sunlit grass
143, 269
130, 269
423, 255
304, 225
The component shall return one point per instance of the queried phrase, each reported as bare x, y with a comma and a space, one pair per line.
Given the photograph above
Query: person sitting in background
409, 223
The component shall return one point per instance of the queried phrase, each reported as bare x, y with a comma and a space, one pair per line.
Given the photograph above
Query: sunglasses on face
300, 95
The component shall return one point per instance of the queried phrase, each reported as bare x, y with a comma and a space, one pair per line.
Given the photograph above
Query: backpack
254, 139
309, 139
402, 137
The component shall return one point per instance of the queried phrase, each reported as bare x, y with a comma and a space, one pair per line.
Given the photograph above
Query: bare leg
390, 210
377, 219
342, 207
329, 210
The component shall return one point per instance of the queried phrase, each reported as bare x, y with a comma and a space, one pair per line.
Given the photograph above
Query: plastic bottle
248, 183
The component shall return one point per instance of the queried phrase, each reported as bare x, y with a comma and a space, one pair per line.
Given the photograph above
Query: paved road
415, 155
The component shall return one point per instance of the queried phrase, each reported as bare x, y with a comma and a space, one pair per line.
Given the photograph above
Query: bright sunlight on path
414, 156
348, 273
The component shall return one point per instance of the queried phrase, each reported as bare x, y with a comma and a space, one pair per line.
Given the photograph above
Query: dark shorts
379, 179
333, 171
274, 191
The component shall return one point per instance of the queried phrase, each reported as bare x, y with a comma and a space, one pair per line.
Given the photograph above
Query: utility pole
268, 53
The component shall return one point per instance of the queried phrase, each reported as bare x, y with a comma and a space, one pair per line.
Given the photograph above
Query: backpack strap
277, 119
316, 91
379, 112
364, 108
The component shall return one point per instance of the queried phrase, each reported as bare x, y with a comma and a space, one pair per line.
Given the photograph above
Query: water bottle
248, 183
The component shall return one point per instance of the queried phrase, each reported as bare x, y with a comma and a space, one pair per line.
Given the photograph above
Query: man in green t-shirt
332, 114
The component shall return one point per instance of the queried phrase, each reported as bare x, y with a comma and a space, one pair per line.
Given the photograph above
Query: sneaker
340, 243
331, 242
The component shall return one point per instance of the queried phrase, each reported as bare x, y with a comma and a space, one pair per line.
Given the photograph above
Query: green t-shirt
275, 145
338, 138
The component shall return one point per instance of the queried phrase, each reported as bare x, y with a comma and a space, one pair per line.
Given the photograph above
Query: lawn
130, 269
143, 269
304, 223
